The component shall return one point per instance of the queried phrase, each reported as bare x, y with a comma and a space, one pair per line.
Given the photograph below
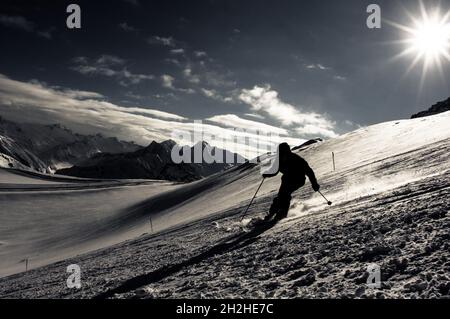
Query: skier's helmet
284, 148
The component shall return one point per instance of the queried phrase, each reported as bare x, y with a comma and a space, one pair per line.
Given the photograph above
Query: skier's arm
273, 170
268, 175
312, 177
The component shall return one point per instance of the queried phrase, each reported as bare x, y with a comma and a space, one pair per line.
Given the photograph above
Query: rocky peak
439, 107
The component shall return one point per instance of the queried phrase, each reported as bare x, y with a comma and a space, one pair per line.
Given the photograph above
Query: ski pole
328, 202
243, 215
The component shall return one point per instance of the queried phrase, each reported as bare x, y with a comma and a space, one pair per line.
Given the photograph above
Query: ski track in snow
390, 206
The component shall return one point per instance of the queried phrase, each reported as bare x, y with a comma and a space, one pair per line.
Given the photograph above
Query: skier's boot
274, 208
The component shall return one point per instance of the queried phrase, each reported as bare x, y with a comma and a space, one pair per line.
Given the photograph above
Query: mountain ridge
439, 107
46, 148
152, 162
54, 148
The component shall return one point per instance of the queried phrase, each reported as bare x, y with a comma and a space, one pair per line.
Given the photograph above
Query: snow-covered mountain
14, 155
54, 148
439, 107
152, 162
153, 239
45, 148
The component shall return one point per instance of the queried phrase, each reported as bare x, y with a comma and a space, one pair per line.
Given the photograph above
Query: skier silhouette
294, 168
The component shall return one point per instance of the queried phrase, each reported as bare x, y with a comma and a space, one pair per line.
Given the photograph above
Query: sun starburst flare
427, 39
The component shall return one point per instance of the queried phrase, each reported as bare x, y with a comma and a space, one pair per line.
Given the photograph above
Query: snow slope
45, 218
390, 194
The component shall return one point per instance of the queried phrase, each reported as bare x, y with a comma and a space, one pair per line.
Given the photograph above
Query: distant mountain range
56, 149
152, 162
47, 148
437, 108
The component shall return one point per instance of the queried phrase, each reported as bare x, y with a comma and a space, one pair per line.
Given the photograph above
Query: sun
430, 38
426, 39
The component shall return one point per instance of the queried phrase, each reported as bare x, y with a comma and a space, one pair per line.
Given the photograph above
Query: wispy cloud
173, 61
192, 78
88, 113
45, 34
317, 66
22, 23
200, 54
168, 83
109, 66
85, 111
213, 94
164, 41
340, 78
108, 60
209, 93
127, 28
256, 116
320, 67
155, 113
232, 120
17, 22
199, 73
266, 100
177, 51
208, 76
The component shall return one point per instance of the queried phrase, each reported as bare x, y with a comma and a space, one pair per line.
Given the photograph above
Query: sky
146, 70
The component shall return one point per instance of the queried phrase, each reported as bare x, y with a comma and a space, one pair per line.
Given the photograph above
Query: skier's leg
284, 198
273, 208
285, 202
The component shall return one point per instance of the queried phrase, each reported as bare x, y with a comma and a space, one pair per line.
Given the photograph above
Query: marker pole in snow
246, 210
26, 263
328, 202
334, 165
